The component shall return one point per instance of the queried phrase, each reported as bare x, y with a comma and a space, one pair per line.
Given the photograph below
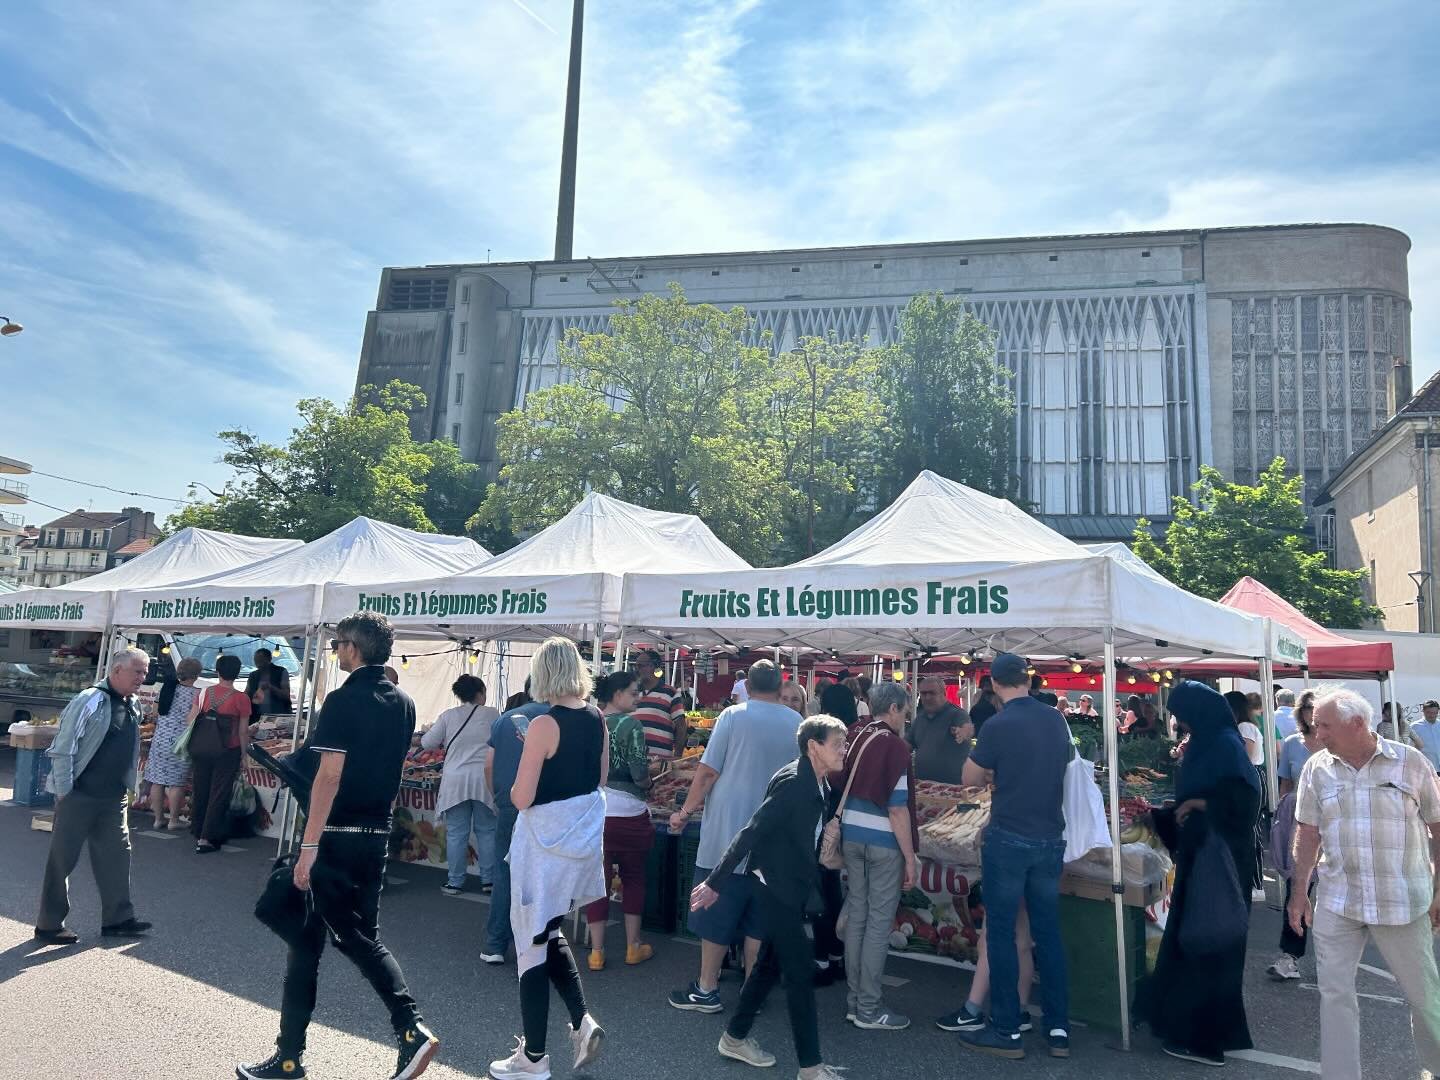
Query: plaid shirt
1375, 851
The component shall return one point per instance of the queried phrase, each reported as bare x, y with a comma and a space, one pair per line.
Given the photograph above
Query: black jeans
784, 954
1291, 943
345, 889
828, 945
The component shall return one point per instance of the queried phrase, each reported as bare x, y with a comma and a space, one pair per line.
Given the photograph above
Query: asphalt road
201, 993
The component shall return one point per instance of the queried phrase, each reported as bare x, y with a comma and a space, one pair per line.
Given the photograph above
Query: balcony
14, 492
15, 520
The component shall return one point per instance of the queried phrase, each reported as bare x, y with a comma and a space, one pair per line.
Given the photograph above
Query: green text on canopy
934, 598
201, 609
437, 604
30, 612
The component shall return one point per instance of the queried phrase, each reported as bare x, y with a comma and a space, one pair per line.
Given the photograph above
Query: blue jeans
1015, 868
497, 927
460, 821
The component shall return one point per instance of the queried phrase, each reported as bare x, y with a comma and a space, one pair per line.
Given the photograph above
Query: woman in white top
465, 797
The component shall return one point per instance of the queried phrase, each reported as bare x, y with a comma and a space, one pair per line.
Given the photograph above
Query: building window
24, 562
49, 537
418, 294
94, 558
465, 294
72, 537
455, 434
459, 388
464, 334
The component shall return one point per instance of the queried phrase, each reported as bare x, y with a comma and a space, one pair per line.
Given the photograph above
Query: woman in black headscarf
1195, 1004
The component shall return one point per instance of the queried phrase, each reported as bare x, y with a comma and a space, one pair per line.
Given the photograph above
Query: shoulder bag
832, 857
1214, 919
208, 733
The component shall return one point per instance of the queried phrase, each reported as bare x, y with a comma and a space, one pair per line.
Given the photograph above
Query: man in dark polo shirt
362, 737
941, 734
1023, 752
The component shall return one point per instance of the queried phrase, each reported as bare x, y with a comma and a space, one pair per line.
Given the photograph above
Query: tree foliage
949, 402
1232, 530
340, 462
674, 408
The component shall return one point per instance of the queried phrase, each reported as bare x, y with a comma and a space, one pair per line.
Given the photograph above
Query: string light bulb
1155, 676
1169, 675
964, 659
164, 650
1044, 682
1130, 679
1094, 681
405, 662
472, 658
1075, 667
1029, 671
898, 676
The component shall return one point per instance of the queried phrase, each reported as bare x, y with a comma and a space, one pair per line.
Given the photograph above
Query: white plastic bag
1085, 825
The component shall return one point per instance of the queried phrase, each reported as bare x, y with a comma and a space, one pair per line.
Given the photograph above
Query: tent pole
1305, 675
1387, 693
1267, 704
598, 654
1117, 880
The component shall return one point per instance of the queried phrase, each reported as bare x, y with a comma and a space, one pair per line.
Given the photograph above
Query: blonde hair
557, 671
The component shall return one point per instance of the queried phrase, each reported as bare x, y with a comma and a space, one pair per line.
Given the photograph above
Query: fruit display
424, 766
673, 780
954, 837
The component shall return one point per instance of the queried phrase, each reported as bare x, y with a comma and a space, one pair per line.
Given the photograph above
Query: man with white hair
1285, 725
93, 765
1366, 805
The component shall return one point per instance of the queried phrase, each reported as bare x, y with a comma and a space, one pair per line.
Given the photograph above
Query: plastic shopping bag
1085, 825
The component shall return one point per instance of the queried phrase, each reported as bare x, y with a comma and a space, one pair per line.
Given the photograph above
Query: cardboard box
37, 738
1136, 895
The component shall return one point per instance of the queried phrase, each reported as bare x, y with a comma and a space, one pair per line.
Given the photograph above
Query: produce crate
687, 847
37, 738
1088, 930
32, 770
660, 909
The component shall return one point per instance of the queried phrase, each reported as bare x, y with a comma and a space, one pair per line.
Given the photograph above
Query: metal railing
17, 487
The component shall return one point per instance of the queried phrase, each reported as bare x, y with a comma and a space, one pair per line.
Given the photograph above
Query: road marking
1368, 997
1378, 971
156, 834
892, 980
1278, 1060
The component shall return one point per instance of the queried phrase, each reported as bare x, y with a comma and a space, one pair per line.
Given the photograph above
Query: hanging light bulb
164, 650
472, 658
964, 658
1155, 676
1029, 671
1044, 682
1130, 679
899, 676
1169, 674
1075, 667
1094, 681
405, 662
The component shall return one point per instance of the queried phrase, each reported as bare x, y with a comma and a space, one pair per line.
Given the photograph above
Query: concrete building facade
1381, 507
1136, 357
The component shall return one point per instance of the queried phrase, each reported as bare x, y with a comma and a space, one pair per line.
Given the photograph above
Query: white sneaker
746, 1050
519, 1067
820, 1072
586, 1041
1284, 969
492, 958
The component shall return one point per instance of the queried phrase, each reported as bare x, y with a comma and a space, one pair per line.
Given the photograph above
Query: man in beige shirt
1368, 810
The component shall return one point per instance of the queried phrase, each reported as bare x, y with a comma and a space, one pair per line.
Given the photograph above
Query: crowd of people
552, 793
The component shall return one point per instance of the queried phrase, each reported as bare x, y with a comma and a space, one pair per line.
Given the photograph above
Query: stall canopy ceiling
1331, 655
561, 580
282, 593
944, 569
86, 604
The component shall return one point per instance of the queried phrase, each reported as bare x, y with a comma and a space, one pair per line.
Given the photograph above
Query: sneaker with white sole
1284, 968
881, 1021
586, 1040
746, 1050
278, 1066
519, 1067
962, 1019
820, 1072
693, 999
418, 1047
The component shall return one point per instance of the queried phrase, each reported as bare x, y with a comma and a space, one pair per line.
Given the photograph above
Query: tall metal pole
565, 218
1117, 876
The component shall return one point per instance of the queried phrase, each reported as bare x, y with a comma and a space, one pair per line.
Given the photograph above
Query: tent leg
1387, 693
1117, 880
598, 657
309, 666
1267, 702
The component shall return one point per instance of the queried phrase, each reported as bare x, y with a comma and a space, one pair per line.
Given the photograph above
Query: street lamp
1420, 577
10, 327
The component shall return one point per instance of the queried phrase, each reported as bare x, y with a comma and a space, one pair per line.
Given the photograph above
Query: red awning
1332, 655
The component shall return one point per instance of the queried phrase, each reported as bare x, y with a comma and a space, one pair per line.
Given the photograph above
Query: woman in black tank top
566, 756
574, 769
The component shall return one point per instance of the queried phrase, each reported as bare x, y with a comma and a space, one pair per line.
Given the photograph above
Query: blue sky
196, 200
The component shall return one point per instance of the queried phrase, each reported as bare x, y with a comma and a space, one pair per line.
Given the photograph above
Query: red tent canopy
1332, 655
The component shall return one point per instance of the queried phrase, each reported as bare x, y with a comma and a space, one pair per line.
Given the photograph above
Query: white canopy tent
87, 604
565, 579
948, 570
281, 595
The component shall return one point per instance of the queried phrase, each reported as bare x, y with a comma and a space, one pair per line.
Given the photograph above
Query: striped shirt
659, 711
865, 823
1374, 851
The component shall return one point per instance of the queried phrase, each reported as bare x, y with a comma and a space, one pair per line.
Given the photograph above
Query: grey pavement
201, 993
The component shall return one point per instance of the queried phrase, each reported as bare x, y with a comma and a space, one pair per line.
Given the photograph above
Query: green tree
340, 462
1230, 531
949, 403
830, 434
663, 410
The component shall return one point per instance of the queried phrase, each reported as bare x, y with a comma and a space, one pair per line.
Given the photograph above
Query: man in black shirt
986, 705
268, 686
1023, 752
362, 737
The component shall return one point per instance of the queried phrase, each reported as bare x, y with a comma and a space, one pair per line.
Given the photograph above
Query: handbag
1214, 919
1085, 826
832, 856
284, 908
207, 733
243, 798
